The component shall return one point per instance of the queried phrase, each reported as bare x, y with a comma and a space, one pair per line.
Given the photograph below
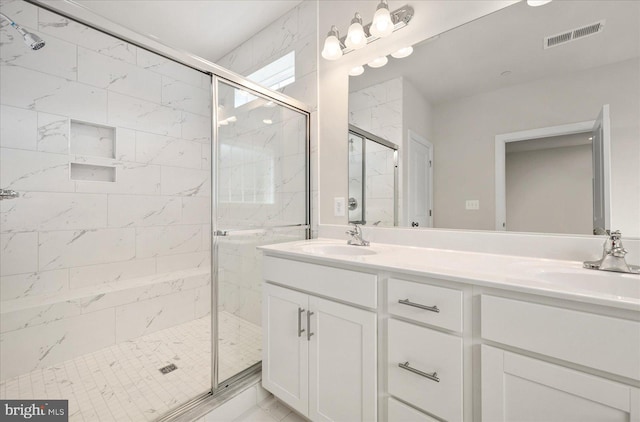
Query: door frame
414, 136
525, 135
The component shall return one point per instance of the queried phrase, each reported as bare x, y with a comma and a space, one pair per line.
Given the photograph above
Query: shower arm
13, 24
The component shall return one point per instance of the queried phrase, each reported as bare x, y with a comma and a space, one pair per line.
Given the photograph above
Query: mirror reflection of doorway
548, 184
372, 179
555, 179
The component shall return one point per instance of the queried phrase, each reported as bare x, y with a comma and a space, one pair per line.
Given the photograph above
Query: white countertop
547, 277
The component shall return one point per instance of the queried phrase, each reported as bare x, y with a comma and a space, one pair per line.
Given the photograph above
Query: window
275, 75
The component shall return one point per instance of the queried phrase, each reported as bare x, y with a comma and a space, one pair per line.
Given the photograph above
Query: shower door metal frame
368, 136
216, 233
81, 14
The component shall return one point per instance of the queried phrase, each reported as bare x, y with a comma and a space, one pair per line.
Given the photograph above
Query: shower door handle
309, 333
300, 329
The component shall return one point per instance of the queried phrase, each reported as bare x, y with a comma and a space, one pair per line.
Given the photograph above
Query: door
285, 362
601, 137
519, 388
262, 197
342, 359
420, 182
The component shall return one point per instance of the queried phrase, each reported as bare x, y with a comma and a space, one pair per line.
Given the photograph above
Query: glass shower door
262, 198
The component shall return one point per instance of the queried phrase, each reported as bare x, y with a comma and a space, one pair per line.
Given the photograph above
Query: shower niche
91, 142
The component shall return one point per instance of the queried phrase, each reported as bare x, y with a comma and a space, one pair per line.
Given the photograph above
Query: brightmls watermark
34, 410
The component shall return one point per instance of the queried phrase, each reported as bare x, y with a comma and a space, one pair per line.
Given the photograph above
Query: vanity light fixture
384, 23
332, 46
536, 3
356, 38
356, 71
378, 62
402, 53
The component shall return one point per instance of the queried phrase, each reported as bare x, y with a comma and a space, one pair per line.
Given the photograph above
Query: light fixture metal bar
400, 18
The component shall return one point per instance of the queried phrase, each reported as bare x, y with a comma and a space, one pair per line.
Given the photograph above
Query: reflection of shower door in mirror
372, 179
356, 203
262, 198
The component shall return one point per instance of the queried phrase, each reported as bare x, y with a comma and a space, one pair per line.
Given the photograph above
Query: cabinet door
285, 350
342, 355
518, 388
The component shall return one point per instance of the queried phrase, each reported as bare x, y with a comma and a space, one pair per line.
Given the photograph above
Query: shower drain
169, 368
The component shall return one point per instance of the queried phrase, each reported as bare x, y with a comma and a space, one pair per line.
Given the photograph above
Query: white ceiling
469, 59
207, 28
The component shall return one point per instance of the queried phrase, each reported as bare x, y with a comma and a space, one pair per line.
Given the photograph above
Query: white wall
468, 149
550, 190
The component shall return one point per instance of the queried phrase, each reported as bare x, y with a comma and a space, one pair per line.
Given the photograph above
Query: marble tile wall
62, 235
240, 272
296, 31
378, 110
262, 181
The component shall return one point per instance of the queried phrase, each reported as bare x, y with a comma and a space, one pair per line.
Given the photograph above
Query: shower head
33, 41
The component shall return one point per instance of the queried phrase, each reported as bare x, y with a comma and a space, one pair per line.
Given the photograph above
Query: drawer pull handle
432, 377
300, 329
417, 305
309, 333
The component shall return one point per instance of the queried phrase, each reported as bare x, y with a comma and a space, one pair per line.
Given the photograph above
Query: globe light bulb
382, 24
356, 38
332, 49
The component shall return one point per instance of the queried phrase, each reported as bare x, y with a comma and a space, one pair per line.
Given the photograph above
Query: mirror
524, 120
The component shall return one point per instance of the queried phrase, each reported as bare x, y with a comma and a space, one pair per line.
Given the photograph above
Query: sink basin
615, 284
341, 250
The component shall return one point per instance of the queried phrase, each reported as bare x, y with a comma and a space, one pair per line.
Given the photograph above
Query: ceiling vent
574, 34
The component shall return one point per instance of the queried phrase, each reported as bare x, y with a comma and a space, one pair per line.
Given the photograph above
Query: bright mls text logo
35, 410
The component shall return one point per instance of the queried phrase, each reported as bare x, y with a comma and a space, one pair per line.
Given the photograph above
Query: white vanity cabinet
517, 387
425, 365
520, 388
347, 341
319, 355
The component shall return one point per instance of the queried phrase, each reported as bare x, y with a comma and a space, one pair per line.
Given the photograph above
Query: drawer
600, 342
427, 351
400, 412
349, 286
447, 301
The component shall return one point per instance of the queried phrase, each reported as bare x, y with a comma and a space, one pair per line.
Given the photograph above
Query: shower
33, 41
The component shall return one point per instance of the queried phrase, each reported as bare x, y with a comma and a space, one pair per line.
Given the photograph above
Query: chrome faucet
612, 256
356, 237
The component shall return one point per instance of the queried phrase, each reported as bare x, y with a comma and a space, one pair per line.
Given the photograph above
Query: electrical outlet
472, 204
339, 206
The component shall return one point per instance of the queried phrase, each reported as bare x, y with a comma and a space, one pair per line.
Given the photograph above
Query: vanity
397, 333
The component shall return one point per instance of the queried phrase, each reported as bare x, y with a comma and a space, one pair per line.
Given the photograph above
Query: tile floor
271, 410
123, 382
